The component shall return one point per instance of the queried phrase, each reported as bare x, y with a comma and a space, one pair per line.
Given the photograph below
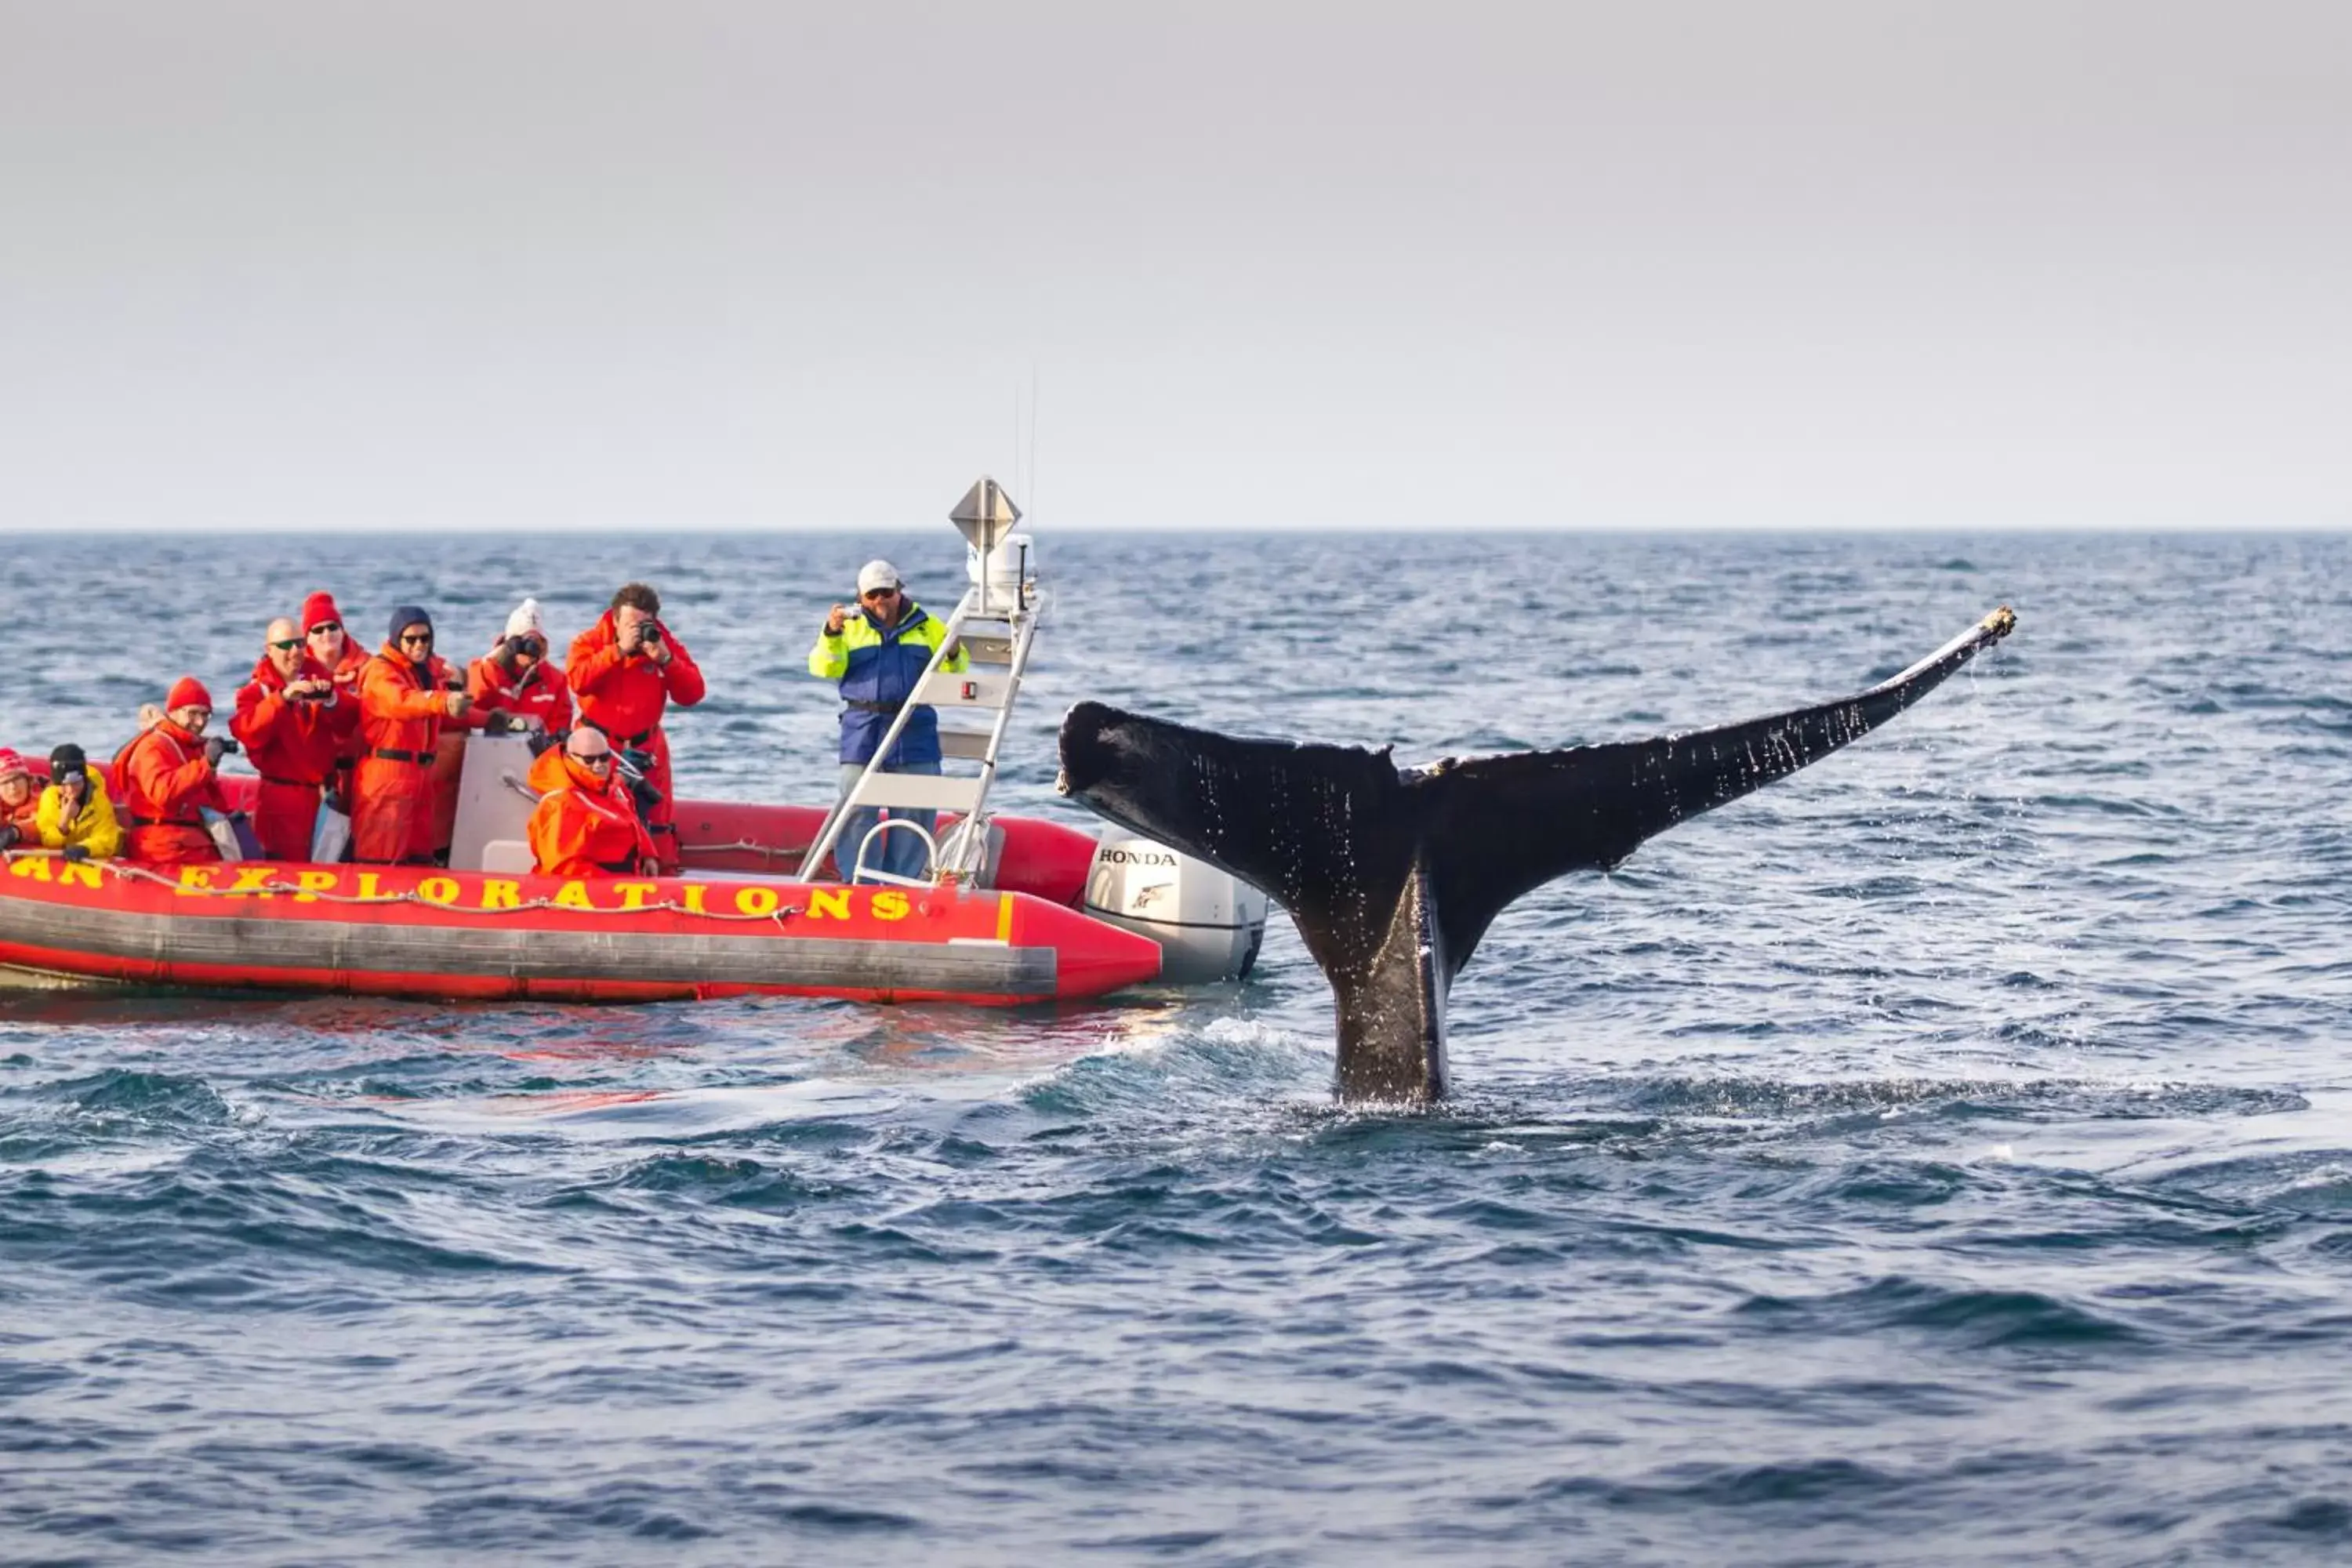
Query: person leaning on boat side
516, 677
296, 727
878, 651
405, 701
586, 825
169, 775
20, 802
76, 815
624, 671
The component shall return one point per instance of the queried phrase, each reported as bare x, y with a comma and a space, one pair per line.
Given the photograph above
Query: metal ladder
993, 632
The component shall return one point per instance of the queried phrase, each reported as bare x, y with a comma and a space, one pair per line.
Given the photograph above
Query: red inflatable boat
410, 931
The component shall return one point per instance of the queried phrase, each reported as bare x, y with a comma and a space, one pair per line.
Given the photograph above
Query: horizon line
721, 530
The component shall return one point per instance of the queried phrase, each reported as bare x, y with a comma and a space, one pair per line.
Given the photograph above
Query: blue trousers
899, 852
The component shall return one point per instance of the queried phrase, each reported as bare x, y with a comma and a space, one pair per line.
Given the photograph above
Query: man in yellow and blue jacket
878, 651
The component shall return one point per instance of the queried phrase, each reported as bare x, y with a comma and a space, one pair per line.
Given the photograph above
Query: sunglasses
289, 642
326, 626
601, 762
423, 637
880, 594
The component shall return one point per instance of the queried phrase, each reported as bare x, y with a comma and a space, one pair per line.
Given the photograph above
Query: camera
228, 748
635, 767
652, 634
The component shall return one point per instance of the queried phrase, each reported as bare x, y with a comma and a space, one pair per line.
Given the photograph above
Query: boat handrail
930, 855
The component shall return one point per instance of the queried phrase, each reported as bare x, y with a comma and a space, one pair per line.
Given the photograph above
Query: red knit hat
187, 692
11, 764
318, 609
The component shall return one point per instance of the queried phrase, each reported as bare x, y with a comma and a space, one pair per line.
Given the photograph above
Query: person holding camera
170, 779
295, 724
334, 649
515, 679
329, 645
74, 813
878, 651
624, 672
20, 802
407, 699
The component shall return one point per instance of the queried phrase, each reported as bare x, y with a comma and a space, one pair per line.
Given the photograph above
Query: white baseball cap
878, 574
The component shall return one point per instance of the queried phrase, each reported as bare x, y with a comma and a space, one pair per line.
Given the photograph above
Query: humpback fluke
1392, 875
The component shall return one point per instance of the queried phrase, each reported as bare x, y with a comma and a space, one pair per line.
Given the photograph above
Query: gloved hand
215, 750
9, 836
77, 853
541, 741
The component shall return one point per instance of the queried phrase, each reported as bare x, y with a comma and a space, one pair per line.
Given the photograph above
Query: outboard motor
1209, 925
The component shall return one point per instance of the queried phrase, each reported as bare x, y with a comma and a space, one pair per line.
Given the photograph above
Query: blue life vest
884, 666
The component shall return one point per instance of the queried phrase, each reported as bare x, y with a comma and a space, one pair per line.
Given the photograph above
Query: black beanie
66, 760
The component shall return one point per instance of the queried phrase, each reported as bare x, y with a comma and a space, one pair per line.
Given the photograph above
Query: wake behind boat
1011, 910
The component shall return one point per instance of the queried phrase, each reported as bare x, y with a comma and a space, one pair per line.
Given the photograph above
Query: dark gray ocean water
1943, 1156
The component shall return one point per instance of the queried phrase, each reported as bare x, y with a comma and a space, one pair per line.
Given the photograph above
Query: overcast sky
496, 265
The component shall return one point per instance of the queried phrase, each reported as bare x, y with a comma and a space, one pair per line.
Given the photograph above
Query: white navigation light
1014, 559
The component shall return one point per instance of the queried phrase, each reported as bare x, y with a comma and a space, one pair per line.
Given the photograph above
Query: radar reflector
985, 515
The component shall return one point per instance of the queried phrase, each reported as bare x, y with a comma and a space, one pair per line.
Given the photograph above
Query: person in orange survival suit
20, 802
169, 776
587, 824
335, 650
296, 726
404, 700
330, 645
515, 678
624, 670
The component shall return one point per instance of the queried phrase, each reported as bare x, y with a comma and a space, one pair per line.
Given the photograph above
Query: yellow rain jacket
94, 826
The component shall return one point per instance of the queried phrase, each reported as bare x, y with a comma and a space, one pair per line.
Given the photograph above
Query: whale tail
1392, 876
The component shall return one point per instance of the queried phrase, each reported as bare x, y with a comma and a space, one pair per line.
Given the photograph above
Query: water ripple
1950, 1147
